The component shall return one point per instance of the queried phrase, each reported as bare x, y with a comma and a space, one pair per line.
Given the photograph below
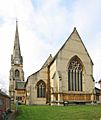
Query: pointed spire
17, 58
16, 51
17, 33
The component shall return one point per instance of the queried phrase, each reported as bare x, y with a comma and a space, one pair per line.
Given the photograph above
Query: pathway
12, 116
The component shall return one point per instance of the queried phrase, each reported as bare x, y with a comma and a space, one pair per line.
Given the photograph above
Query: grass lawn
83, 112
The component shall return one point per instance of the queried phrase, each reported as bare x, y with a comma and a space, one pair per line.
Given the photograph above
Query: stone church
66, 77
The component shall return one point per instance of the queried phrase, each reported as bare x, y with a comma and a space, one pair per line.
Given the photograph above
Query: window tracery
75, 70
41, 88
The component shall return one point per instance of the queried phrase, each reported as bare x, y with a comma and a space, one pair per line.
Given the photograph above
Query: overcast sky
44, 25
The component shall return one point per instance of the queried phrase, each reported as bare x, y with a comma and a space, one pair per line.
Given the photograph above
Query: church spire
16, 78
17, 58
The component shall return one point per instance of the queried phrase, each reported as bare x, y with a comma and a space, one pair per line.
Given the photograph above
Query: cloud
86, 14
43, 28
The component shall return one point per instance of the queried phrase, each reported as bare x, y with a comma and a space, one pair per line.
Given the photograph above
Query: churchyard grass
79, 112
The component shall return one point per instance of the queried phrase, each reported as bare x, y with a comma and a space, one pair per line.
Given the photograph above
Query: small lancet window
17, 73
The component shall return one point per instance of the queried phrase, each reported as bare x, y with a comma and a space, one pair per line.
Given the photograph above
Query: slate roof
4, 94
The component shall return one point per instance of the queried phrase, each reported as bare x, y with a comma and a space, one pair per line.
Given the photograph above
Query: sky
44, 25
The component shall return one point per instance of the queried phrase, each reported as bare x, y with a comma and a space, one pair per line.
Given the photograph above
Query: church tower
16, 80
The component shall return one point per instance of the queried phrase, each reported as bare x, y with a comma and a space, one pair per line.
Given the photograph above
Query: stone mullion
79, 80
69, 73
74, 87
76, 80
39, 91
42, 90
71, 79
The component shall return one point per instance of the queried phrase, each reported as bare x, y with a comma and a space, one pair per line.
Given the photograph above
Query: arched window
75, 70
41, 89
17, 74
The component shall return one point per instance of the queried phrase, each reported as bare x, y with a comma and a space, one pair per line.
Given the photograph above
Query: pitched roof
4, 94
74, 31
52, 59
47, 62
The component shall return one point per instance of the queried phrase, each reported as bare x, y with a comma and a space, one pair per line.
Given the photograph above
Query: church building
66, 77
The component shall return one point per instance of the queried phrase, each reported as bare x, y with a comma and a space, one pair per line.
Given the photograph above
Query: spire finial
74, 28
17, 26
16, 20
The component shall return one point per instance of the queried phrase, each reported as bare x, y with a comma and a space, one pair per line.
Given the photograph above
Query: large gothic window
41, 89
75, 70
17, 74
